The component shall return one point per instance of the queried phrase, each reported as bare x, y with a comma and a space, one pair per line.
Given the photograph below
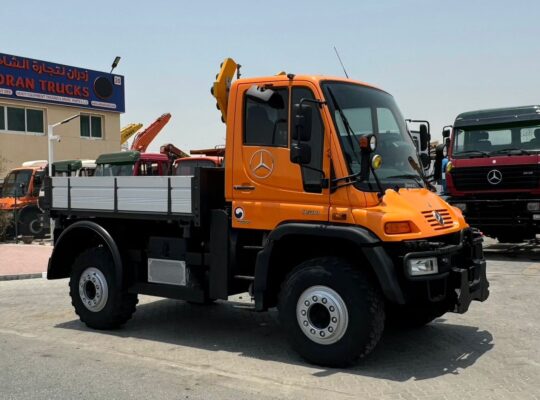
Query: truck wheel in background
30, 225
94, 292
413, 316
332, 312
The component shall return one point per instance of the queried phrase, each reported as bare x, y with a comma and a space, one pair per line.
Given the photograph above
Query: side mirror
302, 122
446, 132
300, 153
424, 137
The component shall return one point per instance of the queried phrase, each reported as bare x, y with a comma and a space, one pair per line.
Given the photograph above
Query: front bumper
499, 213
461, 276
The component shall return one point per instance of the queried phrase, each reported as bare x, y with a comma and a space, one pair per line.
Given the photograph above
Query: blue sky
437, 58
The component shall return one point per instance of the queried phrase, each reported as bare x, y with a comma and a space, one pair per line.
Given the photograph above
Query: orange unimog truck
19, 196
320, 210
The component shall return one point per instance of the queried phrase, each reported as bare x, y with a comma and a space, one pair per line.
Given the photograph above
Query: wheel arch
351, 242
76, 238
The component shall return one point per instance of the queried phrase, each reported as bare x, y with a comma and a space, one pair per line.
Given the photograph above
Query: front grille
432, 221
512, 177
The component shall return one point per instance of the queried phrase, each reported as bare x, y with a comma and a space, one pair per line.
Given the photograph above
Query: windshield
16, 183
368, 111
114, 170
482, 142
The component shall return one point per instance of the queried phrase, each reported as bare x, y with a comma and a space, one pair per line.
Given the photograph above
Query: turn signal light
394, 228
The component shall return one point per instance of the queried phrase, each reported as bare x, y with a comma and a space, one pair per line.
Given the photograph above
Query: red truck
493, 172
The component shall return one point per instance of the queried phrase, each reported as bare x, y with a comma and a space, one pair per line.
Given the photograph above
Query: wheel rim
322, 315
93, 289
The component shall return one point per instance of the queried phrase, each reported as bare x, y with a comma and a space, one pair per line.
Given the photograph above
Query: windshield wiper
482, 153
510, 149
416, 178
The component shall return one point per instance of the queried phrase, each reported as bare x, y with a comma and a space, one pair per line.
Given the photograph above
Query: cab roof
67, 165
315, 79
120, 157
496, 116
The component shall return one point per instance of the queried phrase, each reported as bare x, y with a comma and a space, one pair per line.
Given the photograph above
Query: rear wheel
30, 225
97, 298
333, 312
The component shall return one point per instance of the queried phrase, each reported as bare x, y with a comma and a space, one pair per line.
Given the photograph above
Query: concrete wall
16, 147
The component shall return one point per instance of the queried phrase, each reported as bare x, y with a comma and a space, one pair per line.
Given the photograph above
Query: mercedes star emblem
438, 217
261, 164
494, 176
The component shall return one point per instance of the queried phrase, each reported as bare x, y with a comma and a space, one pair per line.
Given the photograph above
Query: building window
92, 126
19, 119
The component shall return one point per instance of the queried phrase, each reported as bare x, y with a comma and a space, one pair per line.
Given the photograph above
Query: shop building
35, 94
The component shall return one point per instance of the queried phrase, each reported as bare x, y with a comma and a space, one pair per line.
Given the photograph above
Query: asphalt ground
175, 350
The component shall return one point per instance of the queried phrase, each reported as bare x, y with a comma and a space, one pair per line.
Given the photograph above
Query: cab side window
310, 176
266, 123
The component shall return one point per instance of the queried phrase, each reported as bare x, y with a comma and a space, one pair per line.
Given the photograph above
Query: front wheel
98, 300
332, 311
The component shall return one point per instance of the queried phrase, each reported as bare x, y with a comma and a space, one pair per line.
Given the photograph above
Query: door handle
244, 187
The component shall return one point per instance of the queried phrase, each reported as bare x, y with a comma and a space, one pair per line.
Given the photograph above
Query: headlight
461, 206
533, 206
449, 166
422, 266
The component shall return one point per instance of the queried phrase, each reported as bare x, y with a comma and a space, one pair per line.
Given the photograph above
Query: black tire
361, 297
119, 305
30, 225
411, 317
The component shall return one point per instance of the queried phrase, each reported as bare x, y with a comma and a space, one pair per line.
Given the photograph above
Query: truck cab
320, 210
19, 196
493, 172
132, 163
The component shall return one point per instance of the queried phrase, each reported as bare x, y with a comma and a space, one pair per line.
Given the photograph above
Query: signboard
23, 78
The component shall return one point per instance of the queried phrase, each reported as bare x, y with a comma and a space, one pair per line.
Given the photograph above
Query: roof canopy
122, 157
497, 116
67, 165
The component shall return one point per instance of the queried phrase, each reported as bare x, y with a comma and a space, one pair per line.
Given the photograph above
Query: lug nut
322, 333
312, 331
305, 323
330, 329
303, 312
306, 303
332, 308
334, 320
324, 300
315, 298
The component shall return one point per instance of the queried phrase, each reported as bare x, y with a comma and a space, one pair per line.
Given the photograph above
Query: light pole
52, 138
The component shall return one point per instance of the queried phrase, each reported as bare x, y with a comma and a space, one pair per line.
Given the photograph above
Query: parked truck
320, 210
19, 197
493, 172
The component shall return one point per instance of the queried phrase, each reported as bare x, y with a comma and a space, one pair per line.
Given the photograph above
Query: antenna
342, 66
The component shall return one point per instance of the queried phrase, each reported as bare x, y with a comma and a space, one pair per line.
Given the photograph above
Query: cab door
268, 188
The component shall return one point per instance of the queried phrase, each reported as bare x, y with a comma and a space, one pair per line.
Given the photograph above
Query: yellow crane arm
128, 131
220, 89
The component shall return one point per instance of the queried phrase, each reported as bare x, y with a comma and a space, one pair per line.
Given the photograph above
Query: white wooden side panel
181, 194
142, 193
134, 193
92, 193
59, 193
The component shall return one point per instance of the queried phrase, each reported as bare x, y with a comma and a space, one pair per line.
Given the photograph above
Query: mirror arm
314, 101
